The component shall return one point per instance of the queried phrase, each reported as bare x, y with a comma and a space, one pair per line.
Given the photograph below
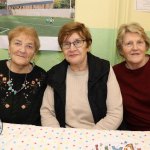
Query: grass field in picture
40, 23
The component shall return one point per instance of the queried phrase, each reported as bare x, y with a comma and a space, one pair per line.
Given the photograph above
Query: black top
97, 87
22, 106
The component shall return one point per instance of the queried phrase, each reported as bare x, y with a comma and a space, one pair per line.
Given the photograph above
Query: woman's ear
9, 53
121, 53
89, 48
147, 48
34, 58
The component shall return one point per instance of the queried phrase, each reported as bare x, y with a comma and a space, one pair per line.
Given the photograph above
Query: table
29, 137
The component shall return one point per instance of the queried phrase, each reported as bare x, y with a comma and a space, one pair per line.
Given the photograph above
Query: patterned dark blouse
21, 95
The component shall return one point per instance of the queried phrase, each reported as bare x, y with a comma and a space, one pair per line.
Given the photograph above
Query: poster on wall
143, 5
46, 16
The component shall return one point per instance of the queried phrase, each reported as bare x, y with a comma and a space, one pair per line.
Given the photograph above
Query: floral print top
21, 95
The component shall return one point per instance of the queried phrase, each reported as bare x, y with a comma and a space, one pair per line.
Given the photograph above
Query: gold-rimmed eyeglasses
76, 43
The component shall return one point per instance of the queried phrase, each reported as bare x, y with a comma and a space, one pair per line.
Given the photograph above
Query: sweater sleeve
48, 117
114, 115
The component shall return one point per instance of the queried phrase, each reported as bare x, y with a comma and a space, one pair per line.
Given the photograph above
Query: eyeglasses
130, 44
76, 43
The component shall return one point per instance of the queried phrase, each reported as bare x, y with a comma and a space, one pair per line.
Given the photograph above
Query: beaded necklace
10, 84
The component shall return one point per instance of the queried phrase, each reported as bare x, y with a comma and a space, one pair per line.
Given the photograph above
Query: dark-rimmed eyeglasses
76, 43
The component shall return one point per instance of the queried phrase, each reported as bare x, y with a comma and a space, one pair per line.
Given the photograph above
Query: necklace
10, 84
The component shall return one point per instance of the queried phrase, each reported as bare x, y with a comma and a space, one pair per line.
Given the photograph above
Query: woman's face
22, 50
133, 49
76, 53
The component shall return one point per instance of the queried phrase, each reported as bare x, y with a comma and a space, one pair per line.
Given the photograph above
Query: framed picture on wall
143, 5
46, 16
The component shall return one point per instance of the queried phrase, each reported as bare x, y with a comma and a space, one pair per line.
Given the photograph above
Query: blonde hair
131, 28
30, 31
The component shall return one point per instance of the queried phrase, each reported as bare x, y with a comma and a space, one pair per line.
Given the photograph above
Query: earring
9, 58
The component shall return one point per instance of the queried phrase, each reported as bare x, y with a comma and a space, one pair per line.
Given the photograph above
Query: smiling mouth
72, 55
21, 56
135, 54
